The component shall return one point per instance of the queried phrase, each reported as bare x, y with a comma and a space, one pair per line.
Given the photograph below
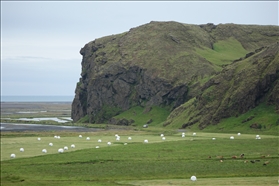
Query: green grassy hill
190, 74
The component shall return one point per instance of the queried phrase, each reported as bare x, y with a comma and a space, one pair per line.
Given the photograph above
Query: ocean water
37, 98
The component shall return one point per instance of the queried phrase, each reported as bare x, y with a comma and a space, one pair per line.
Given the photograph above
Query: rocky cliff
167, 64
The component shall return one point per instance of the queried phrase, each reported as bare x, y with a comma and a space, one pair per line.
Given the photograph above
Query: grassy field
132, 162
169, 162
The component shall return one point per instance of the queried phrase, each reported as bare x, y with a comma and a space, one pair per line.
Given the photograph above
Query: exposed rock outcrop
159, 64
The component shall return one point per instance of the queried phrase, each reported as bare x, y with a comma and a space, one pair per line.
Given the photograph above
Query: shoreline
20, 127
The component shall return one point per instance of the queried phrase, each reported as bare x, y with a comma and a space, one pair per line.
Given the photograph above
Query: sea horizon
37, 98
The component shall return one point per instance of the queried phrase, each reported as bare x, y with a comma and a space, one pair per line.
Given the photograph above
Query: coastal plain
132, 162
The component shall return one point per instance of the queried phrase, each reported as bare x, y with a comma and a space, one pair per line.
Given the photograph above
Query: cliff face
160, 63
118, 88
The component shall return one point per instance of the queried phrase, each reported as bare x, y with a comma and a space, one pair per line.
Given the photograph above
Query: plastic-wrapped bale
44, 151
73, 146
13, 155
193, 178
21, 149
60, 150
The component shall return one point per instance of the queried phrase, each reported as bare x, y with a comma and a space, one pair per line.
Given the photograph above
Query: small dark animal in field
265, 163
241, 155
209, 156
252, 161
233, 157
262, 156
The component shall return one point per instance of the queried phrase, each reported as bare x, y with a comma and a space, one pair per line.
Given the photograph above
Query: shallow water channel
40, 127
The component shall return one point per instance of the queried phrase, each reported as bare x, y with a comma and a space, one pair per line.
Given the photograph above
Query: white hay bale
73, 146
60, 150
125, 143
50, 144
99, 140
80, 136
145, 141
183, 135
162, 135
116, 135
44, 151
21, 149
65, 148
13, 155
55, 137
97, 147
129, 138
109, 143
238, 134
87, 138
39, 139
163, 138
118, 138
231, 137
213, 138
193, 178
194, 134
58, 137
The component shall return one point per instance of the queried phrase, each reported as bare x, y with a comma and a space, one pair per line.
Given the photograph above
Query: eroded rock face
118, 88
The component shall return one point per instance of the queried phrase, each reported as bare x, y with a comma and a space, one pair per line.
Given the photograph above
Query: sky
41, 40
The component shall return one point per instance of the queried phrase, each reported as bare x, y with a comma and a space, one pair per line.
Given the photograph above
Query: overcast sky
40, 41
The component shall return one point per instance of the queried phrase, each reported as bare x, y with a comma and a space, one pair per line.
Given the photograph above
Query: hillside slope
163, 64
239, 87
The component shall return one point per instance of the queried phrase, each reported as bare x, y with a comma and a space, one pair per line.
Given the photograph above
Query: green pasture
169, 162
223, 52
